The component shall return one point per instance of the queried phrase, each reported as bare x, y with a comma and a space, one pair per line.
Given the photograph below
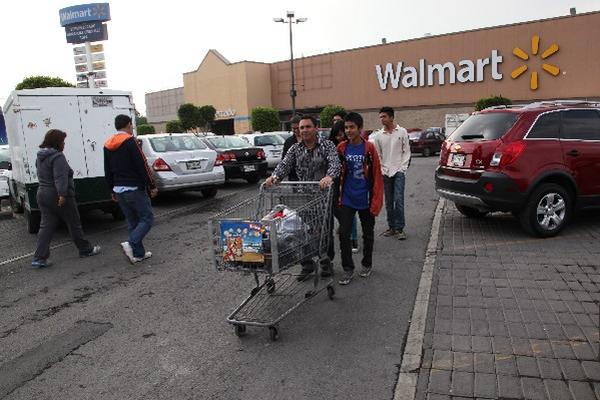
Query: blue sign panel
3, 139
84, 13
86, 32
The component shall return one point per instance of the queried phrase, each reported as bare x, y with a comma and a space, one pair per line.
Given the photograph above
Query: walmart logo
547, 67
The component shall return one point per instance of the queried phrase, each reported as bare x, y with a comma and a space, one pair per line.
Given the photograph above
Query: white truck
87, 116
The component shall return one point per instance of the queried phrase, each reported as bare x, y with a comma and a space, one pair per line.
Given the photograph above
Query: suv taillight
160, 165
260, 155
507, 154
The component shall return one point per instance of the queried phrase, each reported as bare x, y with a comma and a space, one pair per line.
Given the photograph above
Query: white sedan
270, 142
4, 171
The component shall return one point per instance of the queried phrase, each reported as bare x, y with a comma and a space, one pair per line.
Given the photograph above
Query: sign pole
88, 55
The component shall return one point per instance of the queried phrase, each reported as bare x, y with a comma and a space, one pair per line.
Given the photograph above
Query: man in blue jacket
132, 185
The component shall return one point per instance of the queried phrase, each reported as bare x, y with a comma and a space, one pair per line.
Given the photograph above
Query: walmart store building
422, 79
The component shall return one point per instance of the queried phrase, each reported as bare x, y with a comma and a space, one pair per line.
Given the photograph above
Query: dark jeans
394, 200
137, 209
51, 215
367, 222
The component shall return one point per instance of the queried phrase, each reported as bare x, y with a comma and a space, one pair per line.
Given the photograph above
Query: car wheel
426, 152
470, 212
209, 193
253, 179
547, 211
33, 219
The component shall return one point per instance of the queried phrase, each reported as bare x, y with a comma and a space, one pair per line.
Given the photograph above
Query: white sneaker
147, 255
128, 251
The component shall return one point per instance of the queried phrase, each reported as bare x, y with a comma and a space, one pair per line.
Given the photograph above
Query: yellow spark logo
549, 68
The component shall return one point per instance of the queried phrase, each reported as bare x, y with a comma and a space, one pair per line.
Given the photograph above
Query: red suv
540, 162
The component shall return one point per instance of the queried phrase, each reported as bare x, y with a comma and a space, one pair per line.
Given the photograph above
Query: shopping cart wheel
270, 286
273, 333
240, 330
330, 292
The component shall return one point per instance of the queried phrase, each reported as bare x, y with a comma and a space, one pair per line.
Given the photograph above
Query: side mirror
6, 165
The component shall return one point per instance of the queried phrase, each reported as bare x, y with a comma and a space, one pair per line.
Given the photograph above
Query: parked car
284, 134
271, 143
181, 161
5, 167
238, 157
427, 142
540, 162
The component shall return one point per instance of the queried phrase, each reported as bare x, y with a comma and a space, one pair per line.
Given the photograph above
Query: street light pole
290, 21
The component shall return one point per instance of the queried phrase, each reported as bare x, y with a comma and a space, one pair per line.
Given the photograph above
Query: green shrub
174, 126
265, 119
145, 129
491, 101
327, 114
40, 81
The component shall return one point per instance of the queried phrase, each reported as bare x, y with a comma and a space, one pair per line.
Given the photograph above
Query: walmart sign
84, 13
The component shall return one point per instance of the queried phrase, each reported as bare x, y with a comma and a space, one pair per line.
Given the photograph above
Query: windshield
414, 135
4, 156
489, 126
266, 140
176, 143
228, 142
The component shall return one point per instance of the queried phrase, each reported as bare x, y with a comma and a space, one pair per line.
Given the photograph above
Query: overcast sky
151, 44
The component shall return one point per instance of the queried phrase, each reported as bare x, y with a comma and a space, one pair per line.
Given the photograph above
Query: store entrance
223, 127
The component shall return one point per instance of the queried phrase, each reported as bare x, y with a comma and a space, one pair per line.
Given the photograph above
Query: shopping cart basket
284, 225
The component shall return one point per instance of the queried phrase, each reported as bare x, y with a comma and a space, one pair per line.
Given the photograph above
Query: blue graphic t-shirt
356, 189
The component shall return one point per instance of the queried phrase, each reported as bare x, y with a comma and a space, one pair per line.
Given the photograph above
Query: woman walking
56, 199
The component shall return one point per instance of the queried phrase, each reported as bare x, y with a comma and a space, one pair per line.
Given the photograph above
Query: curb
411, 359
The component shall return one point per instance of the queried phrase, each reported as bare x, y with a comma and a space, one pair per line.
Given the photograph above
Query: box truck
87, 116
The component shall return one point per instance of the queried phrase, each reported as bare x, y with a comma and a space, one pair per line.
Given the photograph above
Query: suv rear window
581, 124
546, 127
489, 126
266, 140
176, 143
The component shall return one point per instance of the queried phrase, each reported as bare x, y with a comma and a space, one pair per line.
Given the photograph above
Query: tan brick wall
415, 118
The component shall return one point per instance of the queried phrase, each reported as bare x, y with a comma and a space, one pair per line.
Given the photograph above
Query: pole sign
86, 32
99, 12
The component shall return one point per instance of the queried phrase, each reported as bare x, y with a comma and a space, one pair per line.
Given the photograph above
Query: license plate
457, 160
248, 168
193, 165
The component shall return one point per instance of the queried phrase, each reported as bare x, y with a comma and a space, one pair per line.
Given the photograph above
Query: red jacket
372, 170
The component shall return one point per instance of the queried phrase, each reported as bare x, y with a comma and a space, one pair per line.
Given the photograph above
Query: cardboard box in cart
87, 116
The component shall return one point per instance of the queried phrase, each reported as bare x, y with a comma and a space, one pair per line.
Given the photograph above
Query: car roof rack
503, 106
558, 102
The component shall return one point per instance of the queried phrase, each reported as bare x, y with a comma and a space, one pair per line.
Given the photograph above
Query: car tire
426, 152
33, 219
253, 179
548, 210
209, 193
470, 212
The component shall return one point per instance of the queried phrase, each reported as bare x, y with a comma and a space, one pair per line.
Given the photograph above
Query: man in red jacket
361, 190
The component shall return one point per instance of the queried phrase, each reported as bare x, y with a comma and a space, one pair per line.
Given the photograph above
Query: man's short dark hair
354, 117
121, 121
313, 119
341, 114
296, 119
388, 110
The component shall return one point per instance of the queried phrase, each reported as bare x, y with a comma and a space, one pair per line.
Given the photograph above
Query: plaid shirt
310, 165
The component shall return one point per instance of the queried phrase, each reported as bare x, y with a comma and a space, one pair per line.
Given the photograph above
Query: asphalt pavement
101, 328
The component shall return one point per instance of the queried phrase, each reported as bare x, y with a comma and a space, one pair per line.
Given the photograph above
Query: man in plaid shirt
313, 159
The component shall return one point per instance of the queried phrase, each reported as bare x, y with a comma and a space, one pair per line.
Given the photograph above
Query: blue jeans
138, 213
394, 200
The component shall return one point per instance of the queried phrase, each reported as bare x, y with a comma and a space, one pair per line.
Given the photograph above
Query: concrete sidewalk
511, 316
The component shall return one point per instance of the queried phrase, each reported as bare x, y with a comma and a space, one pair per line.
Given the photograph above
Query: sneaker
355, 246
400, 235
128, 251
346, 279
365, 271
41, 263
303, 275
389, 232
94, 251
147, 255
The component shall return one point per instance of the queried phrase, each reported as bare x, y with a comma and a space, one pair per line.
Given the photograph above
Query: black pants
367, 222
52, 214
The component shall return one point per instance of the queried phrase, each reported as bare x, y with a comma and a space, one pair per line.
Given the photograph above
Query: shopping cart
285, 225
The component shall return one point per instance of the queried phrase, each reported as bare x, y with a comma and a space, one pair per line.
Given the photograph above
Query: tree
40, 81
174, 126
189, 116
145, 129
265, 119
486, 102
207, 116
140, 120
327, 114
